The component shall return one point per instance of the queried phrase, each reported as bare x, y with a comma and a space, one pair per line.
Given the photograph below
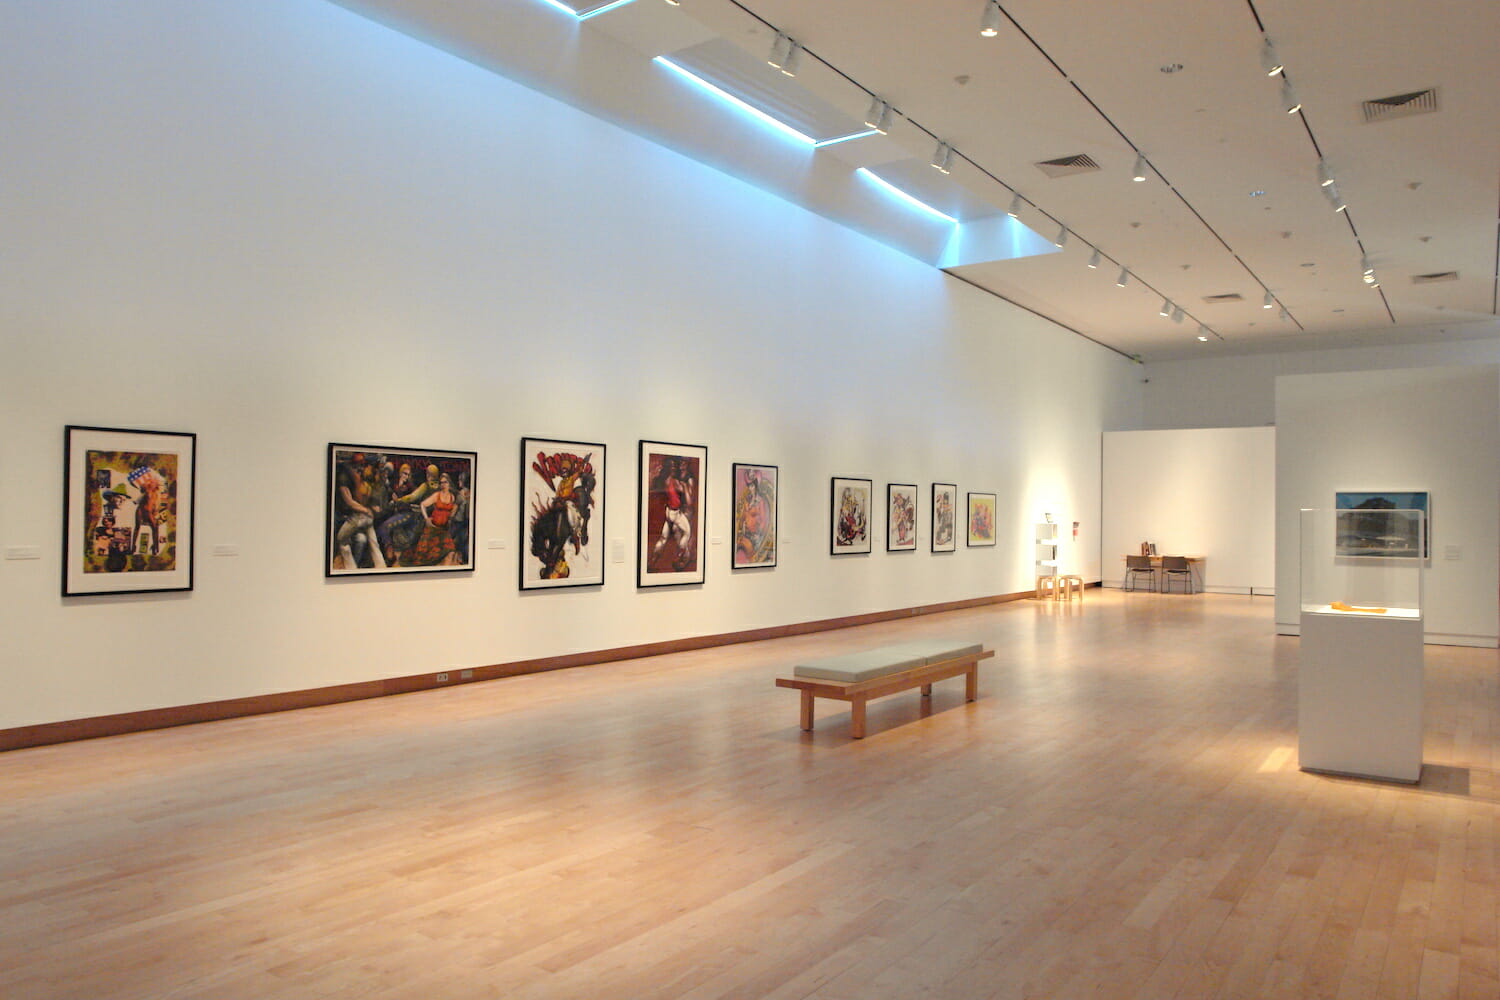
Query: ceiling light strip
892, 189
733, 101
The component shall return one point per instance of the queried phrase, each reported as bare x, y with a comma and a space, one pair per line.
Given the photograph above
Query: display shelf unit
1047, 547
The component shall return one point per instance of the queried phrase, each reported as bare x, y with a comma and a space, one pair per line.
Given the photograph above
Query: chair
1176, 568
1139, 566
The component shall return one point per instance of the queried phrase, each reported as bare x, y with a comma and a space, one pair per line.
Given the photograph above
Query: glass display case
1363, 561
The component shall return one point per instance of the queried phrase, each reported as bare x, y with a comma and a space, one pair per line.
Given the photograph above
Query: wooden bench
875, 673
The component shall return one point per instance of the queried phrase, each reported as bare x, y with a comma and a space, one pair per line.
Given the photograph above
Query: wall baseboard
213, 711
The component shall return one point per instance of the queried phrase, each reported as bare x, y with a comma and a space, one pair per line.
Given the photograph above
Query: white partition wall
1206, 492
280, 225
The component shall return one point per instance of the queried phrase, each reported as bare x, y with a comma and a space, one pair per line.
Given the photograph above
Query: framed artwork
981, 519
562, 514
900, 517
671, 533
849, 516
1386, 525
754, 515
399, 510
127, 511
944, 517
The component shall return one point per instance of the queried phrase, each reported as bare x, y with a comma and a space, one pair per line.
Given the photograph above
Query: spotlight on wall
779, 44
1095, 259
989, 22
1177, 314
879, 116
1325, 176
1123, 279
1267, 301
1015, 207
793, 58
1166, 308
1290, 102
1270, 59
1061, 239
942, 159
1138, 172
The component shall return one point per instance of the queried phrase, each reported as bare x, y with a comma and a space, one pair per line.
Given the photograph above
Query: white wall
1241, 391
1433, 429
1208, 492
279, 225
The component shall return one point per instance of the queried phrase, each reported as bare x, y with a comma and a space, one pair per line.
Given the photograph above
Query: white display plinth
1360, 693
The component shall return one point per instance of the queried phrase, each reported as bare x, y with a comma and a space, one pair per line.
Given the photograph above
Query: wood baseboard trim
213, 711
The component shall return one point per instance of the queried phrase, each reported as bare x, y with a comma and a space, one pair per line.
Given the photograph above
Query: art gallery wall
1207, 492
1241, 391
280, 225
1432, 429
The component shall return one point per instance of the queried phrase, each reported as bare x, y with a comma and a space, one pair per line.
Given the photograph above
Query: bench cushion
936, 650
861, 666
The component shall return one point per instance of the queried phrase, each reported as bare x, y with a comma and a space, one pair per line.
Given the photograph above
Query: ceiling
1231, 204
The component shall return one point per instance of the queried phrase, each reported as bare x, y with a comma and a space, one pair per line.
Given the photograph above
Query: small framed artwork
128, 511
944, 517
981, 519
1392, 524
399, 510
562, 514
671, 533
849, 520
900, 517
754, 523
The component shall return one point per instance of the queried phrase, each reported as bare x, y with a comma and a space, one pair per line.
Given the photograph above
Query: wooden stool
1068, 586
1046, 588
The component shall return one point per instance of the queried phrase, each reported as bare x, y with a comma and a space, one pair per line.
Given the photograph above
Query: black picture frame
563, 512
850, 502
944, 517
671, 498
755, 500
979, 519
901, 517
396, 511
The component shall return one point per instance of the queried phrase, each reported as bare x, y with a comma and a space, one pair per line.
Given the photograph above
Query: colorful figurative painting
900, 517
981, 519
399, 510
129, 516
562, 514
944, 517
754, 516
669, 543
849, 516
1387, 525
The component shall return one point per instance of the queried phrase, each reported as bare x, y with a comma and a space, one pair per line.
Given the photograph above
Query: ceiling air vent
1418, 102
1432, 279
1214, 300
1066, 166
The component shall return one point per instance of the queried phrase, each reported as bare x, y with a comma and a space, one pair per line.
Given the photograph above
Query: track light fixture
1270, 60
1365, 265
1325, 176
989, 22
777, 58
1166, 308
1061, 239
793, 57
1177, 315
1138, 173
1290, 102
879, 116
675, 3
1123, 278
1202, 332
1095, 259
1015, 206
1334, 198
1267, 302
1283, 314
942, 159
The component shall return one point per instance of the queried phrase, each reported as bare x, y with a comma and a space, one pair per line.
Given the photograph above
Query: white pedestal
1360, 694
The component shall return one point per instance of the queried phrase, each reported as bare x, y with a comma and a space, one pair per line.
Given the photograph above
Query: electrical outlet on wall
442, 678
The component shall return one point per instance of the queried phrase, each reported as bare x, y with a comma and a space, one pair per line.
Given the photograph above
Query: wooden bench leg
971, 682
807, 711
926, 690
857, 718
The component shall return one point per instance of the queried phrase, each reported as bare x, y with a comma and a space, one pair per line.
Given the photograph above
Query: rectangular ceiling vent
1418, 102
1434, 278
1066, 166
1214, 300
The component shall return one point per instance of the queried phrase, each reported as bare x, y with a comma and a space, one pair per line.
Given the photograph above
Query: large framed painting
562, 514
1392, 524
671, 533
944, 517
128, 511
754, 516
849, 516
399, 510
981, 519
900, 517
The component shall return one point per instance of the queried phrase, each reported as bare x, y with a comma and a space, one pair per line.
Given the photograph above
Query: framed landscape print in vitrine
1391, 524
849, 516
670, 505
900, 517
944, 517
981, 519
754, 516
562, 514
399, 510
128, 511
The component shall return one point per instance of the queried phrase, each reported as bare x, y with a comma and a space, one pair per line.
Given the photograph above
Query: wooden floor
1119, 815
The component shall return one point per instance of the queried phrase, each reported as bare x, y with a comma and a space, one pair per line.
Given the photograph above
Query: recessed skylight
585, 9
